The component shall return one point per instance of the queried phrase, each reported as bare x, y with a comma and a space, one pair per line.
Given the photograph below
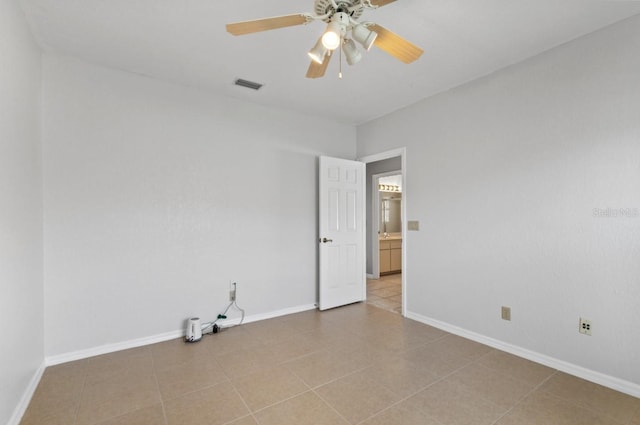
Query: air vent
248, 84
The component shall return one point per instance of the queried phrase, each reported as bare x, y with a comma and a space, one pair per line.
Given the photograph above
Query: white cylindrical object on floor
194, 331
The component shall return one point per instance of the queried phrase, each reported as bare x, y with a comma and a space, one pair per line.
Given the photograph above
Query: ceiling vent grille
248, 84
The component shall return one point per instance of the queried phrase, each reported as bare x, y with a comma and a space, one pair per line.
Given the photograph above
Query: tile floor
357, 364
386, 292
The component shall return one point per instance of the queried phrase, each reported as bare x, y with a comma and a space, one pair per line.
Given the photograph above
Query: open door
342, 232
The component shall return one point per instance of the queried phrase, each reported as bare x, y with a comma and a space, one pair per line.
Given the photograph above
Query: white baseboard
369, 275
21, 408
118, 346
572, 369
110, 348
272, 314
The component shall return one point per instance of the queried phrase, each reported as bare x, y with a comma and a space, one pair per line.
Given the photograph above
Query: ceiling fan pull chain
340, 70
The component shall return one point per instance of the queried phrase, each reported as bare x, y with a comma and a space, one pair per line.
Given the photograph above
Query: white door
342, 232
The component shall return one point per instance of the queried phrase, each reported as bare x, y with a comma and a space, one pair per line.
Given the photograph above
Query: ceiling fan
343, 28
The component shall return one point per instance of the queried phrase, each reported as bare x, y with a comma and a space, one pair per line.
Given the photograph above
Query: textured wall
157, 196
505, 173
21, 294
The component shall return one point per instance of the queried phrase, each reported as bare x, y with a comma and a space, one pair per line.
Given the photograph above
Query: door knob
325, 240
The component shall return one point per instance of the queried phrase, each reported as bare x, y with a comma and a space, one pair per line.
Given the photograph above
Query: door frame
402, 153
375, 220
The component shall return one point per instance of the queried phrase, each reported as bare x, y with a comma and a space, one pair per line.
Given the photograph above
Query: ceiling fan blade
248, 27
381, 3
317, 70
395, 45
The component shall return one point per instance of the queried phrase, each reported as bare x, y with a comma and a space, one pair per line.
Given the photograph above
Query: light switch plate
506, 313
413, 225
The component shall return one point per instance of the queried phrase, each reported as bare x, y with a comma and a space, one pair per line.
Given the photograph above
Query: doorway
384, 287
386, 234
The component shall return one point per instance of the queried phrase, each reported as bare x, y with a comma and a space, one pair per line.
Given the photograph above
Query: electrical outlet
232, 292
506, 313
585, 326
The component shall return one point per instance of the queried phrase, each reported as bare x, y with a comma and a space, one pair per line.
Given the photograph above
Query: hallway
386, 292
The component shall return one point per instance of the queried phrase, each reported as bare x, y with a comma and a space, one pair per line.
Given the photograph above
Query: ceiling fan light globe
332, 36
364, 36
331, 41
351, 52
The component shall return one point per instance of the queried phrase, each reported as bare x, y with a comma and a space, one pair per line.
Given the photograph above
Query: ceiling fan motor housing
352, 8
343, 19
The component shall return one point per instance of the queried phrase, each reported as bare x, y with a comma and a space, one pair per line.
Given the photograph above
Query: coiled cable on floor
213, 325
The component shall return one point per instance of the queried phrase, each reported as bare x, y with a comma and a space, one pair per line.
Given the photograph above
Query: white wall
157, 196
21, 294
504, 174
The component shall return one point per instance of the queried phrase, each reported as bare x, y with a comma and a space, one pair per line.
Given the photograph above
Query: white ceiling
184, 41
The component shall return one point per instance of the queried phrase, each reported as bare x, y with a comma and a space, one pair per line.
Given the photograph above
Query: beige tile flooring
357, 364
386, 292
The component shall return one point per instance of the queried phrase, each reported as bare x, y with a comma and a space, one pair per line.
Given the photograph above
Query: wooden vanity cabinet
390, 256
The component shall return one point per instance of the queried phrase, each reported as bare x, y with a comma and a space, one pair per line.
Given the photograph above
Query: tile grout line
206, 387
353, 372
282, 364
84, 384
440, 379
500, 372
251, 412
302, 356
401, 400
229, 380
155, 377
584, 406
309, 390
331, 406
519, 402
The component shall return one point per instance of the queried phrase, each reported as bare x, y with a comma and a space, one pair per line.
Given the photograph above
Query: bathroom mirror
390, 212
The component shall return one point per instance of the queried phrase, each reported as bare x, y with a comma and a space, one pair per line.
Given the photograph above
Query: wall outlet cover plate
584, 326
